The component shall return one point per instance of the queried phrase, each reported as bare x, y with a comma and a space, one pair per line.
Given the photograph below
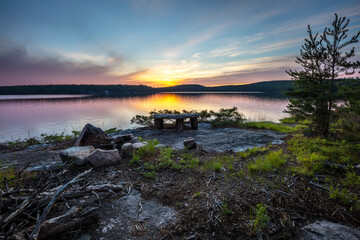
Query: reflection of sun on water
160, 101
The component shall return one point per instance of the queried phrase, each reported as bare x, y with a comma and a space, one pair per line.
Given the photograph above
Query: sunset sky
160, 42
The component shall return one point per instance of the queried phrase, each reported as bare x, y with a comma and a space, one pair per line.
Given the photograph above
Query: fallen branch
35, 232
319, 186
70, 220
18, 210
5, 194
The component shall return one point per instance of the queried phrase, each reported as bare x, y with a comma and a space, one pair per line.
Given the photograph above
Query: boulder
102, 157
76, 155
127, 150
190, 143
92, 136
139, 145
134, 140
119, 140
123, 138
322, 230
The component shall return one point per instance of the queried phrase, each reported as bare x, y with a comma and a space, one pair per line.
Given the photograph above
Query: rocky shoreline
117, 199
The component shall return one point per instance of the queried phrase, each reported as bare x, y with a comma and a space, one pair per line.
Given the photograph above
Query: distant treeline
76, 89
271, 86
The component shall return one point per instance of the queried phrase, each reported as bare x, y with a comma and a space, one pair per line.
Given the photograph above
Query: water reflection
21, 118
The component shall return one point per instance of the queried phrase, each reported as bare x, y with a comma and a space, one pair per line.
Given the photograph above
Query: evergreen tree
315, 86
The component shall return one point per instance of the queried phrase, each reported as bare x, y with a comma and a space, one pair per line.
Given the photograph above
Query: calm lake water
29, 116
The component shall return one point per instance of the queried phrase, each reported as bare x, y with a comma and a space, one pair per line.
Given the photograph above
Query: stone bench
159, 120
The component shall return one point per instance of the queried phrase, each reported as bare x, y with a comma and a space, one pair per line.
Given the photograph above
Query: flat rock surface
324, 230
20, 159
131, 217
212, 139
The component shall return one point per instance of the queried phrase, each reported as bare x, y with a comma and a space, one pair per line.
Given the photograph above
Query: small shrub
251, 152
269, 162
261, 218
150, 175
189, 161
218, 163
343, 195
32, 141
135, 160
112, 130
302, 171
351, 180
217, 166
148, 150
197, 194
226, 210
227, 117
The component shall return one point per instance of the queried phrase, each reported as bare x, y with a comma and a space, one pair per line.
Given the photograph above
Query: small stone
76, 155
139, 145
134, 140
160, 146
190, 143
127, 150
84, 236
104, 157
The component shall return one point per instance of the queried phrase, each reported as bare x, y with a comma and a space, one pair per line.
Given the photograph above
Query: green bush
261, 218
343, 195
270, 162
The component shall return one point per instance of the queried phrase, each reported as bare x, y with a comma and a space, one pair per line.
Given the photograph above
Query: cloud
180, 72
236, 48
17, 67
253, 75
196, 39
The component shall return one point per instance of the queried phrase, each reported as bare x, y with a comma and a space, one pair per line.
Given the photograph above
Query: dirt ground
184, 203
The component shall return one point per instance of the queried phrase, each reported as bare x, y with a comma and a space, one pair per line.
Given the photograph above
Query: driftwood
16, 192
22, 206
105, 187
35, 232
74, 218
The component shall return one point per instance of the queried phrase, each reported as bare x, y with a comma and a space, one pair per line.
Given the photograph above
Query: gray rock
160, 146
323, 230
104, 157
134, 140
46, 167
76, 155
84, 236
127, 150
131, 211
189, 143
139, 145
123, 138
92, 136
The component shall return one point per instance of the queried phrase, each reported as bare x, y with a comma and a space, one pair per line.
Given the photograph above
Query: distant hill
266, 87
270, 86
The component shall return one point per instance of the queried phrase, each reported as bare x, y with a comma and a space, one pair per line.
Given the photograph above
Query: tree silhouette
324, 65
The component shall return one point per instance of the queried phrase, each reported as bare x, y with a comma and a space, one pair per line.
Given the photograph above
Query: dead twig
35, 232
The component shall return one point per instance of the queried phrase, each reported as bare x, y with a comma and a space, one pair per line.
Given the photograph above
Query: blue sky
160, 42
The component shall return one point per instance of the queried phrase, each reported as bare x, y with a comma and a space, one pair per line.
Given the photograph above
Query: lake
24, 116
